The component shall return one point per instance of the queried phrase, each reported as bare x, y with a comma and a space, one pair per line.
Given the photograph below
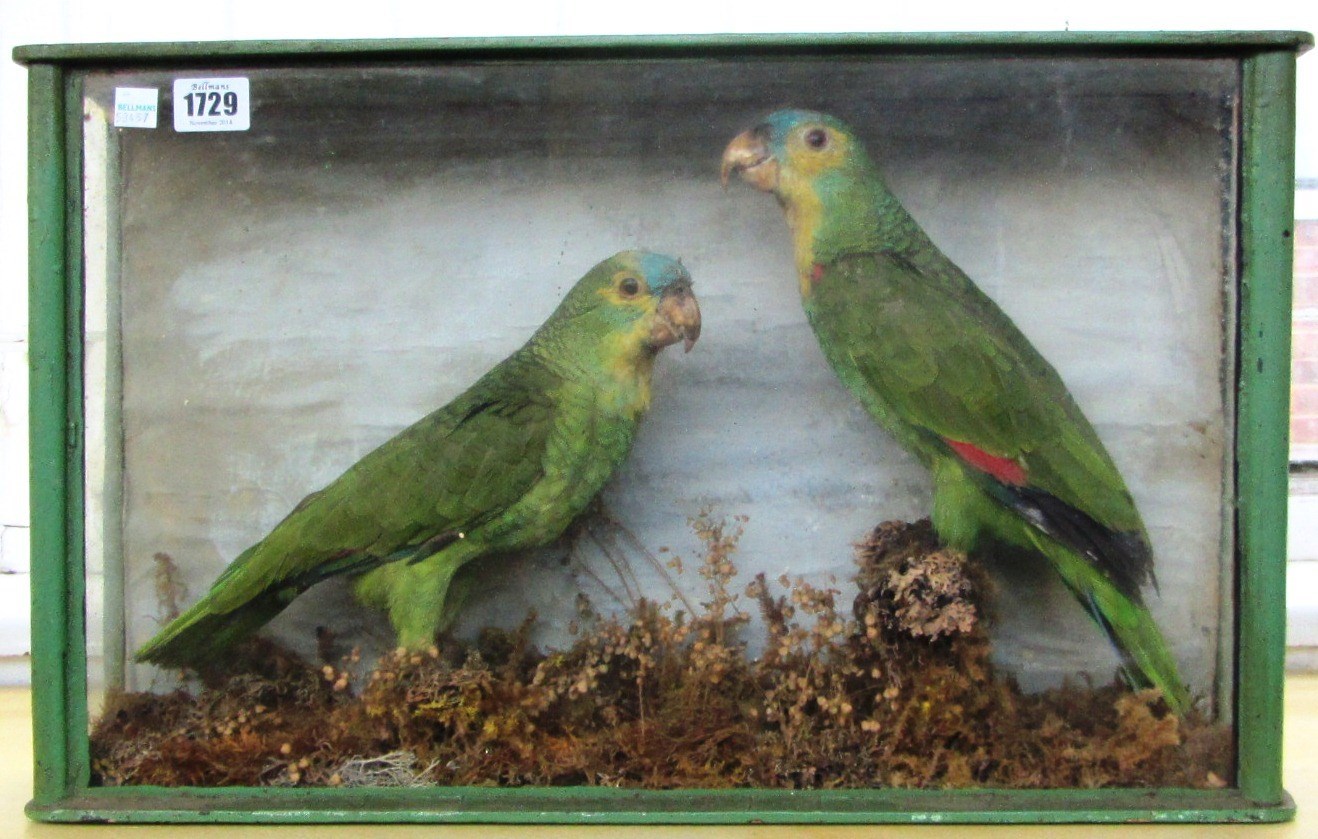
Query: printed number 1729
212, 103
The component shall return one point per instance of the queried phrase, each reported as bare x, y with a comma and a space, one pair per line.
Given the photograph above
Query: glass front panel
267, 306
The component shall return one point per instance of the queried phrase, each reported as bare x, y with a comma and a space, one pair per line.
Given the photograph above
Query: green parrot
942, 368
505, 466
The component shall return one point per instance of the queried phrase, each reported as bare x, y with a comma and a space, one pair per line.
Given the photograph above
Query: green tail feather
194, 637
1127, 622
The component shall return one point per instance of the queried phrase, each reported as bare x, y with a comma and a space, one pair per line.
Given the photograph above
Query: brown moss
900, 691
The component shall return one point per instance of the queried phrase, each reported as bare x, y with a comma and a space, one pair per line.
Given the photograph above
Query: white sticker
136, 107
211, 105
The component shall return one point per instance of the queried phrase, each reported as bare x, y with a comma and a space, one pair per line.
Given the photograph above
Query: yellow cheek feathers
624, 352
807, 162
803, 215
804, 209
626, 359
640, 300
637, 401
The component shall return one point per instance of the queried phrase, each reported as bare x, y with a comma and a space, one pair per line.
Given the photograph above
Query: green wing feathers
942, 367
946, 363
407, 499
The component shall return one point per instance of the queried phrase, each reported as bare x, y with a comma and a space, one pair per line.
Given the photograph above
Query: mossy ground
897, 691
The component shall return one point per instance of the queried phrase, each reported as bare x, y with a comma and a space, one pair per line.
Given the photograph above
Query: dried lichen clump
949, 717
911, 587
900, 692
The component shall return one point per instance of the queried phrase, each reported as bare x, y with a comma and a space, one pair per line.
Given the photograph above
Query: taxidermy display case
371, 480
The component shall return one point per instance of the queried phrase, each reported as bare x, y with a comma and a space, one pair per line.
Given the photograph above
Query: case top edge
893, 42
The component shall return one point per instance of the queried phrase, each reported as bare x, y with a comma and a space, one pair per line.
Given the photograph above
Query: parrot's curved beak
748, 155
677, 317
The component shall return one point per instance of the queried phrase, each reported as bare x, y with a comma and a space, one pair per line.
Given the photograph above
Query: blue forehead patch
782, 122
661, 271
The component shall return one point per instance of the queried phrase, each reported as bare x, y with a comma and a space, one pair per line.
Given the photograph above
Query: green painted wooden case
1263, 192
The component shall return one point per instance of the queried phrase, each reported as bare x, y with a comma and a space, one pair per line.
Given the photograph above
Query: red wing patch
816, 273
1003, 468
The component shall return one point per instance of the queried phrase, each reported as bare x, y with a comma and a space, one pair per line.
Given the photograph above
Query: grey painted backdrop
294, 295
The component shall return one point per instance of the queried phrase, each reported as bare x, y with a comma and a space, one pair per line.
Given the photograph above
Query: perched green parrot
942, 368
505, 466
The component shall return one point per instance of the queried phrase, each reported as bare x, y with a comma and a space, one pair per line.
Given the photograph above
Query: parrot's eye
816, 138
629, 286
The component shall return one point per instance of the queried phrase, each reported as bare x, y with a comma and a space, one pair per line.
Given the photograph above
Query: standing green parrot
942, 368
505, 466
